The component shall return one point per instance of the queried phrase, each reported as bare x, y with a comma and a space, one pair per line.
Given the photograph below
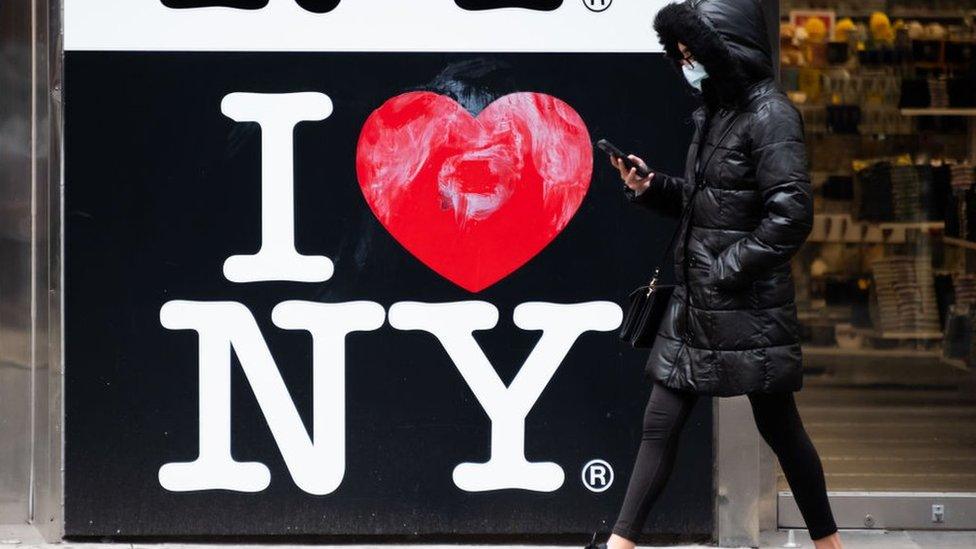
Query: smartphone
613, 150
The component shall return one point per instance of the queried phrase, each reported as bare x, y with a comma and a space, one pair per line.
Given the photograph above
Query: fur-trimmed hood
728, 37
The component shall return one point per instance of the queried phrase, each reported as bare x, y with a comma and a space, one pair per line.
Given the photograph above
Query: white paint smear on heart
398, 142
497, 163
556, 163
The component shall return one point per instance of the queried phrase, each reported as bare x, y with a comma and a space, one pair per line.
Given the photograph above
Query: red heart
474, 198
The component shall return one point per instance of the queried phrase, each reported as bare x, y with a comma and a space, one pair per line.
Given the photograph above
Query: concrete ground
26, 536
883, 539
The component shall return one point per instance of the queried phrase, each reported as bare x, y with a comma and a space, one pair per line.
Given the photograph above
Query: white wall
360, 25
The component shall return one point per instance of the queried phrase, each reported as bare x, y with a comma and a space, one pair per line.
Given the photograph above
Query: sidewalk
26, 537
883, 539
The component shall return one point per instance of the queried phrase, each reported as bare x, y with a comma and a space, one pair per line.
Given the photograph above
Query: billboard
354, 268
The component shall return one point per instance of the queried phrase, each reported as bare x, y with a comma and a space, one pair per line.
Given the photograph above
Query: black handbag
648, 303
645, 312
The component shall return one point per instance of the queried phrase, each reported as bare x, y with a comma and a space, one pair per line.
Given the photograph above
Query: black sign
361, 293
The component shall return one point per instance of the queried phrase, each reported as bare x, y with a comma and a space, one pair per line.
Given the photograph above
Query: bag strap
674, 238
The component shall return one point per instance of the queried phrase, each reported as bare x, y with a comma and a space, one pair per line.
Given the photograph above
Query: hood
728, 37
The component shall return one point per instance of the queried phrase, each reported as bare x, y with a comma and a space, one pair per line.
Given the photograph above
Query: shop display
886, 282
906, 296
886, 89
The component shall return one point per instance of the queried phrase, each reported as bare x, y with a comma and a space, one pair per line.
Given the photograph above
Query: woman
746, 207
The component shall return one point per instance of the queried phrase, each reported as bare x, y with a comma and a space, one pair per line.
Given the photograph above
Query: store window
886, 284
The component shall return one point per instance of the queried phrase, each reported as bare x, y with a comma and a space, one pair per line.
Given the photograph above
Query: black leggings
779, 424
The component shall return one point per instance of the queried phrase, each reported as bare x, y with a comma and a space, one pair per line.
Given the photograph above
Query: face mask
695, 74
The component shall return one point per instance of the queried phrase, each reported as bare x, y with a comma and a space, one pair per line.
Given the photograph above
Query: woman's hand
629, 176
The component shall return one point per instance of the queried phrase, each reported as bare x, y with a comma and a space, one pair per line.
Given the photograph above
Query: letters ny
316, 461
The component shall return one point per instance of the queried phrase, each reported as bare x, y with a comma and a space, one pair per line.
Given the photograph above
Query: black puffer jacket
732, 327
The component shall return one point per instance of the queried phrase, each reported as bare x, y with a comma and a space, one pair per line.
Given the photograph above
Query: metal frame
15, 238
872, 510
31, 364
891, 510
47, 497
737, 473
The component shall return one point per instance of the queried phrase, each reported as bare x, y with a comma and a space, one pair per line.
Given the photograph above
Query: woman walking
746, 207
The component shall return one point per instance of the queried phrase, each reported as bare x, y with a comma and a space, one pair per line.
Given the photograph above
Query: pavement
27, 537
882, 539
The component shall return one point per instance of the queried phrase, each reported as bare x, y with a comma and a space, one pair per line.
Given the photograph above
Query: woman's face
688, 58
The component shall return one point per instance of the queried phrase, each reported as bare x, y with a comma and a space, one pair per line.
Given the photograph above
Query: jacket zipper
685, 260
699, 185
704, 130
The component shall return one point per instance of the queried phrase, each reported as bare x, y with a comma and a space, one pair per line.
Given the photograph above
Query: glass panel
886, 284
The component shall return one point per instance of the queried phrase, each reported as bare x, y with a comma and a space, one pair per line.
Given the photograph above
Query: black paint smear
542, 5
473, 83
315, 6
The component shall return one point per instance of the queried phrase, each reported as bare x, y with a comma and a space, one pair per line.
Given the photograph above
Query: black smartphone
613, 150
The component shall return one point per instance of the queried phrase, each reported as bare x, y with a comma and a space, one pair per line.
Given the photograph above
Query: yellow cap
880, 27
844, 28
816, 29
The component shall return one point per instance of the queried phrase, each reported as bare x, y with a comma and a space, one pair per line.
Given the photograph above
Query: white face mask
695, 74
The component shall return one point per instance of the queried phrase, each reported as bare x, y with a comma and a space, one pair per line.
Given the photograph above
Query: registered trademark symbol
597, 5
597, 474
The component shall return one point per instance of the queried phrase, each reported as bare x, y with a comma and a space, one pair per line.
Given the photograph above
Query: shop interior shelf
834, 351
842, 228
959, 242
907, 12
862, 134
954, 362
878, 334
837, 316
939, 112
917, 225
